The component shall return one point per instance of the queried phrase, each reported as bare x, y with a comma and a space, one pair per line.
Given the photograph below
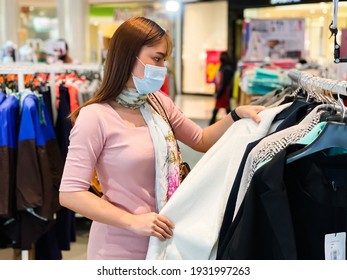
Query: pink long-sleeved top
125, 163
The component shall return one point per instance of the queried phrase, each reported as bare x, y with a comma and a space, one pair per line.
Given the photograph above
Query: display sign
212, 65
274, 38
343, 49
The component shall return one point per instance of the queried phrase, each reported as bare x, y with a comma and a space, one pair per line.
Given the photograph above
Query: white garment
271, 145
198, 205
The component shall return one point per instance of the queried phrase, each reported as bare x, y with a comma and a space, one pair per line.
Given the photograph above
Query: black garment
47, 246
65, 222
66, 228
289, 208
296, 105
5, 241
63, 124
25, 230
292, 119
230, 206
47, 98
295, 117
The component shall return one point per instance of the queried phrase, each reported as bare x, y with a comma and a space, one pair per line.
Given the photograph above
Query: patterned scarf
167, 177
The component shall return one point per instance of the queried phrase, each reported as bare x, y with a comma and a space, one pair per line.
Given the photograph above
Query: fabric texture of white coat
197, 207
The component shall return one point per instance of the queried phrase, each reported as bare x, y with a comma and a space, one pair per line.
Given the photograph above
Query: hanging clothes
39, 170
258, 151
212, 181
290, 214
270, 145
72, 90
36, 146
36, 172
63, 125
291, 196
9, 112
31, 161
8, 133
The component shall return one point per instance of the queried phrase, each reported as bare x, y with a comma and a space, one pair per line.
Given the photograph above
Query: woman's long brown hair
125, 45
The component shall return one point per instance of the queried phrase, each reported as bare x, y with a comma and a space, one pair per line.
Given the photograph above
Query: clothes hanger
299, 101
333, 135
337, 112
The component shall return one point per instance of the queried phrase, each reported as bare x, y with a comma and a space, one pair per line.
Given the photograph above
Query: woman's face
153, 55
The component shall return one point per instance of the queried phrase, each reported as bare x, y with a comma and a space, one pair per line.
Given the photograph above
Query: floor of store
199, 109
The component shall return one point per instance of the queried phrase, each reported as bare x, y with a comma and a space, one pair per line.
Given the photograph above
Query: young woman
121, 135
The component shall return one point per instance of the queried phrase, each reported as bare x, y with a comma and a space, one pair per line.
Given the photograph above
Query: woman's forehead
160, 47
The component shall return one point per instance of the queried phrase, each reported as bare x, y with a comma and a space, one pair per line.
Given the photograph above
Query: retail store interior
274, 47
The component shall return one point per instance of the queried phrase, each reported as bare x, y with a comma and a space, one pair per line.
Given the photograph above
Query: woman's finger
161, 233
166, 221
165, 228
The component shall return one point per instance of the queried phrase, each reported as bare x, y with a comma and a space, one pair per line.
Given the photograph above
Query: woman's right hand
152, 224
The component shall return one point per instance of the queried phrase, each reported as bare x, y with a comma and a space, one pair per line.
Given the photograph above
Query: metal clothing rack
334, 31
310, 81
22, 69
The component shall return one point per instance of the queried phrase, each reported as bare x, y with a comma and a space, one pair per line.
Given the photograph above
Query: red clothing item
165, 87
223, 88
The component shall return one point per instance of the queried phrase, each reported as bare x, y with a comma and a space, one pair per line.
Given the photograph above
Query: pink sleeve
86, 143
186, 131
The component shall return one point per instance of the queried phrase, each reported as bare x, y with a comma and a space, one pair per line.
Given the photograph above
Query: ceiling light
172, 6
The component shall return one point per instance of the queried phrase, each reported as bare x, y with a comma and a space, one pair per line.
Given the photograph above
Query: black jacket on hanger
292, 119
289, 208
231, 203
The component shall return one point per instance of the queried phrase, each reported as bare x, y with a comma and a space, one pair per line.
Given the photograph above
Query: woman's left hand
250, 111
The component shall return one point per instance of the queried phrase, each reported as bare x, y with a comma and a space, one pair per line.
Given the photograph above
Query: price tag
335, 246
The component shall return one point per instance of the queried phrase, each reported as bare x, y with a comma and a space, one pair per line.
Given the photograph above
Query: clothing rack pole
335, 12
306, 79
20, 72
81, 67
294, 75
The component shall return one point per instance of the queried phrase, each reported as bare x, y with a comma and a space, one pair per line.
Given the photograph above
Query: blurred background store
87, 26
265, 39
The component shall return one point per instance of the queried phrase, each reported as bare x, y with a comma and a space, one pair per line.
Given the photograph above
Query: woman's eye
157, 59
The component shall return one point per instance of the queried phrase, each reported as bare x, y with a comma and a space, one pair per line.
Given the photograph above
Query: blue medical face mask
153, 79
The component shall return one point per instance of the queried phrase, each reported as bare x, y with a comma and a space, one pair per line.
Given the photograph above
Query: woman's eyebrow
161, 53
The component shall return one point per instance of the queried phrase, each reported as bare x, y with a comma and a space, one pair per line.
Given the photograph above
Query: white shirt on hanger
198, 205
